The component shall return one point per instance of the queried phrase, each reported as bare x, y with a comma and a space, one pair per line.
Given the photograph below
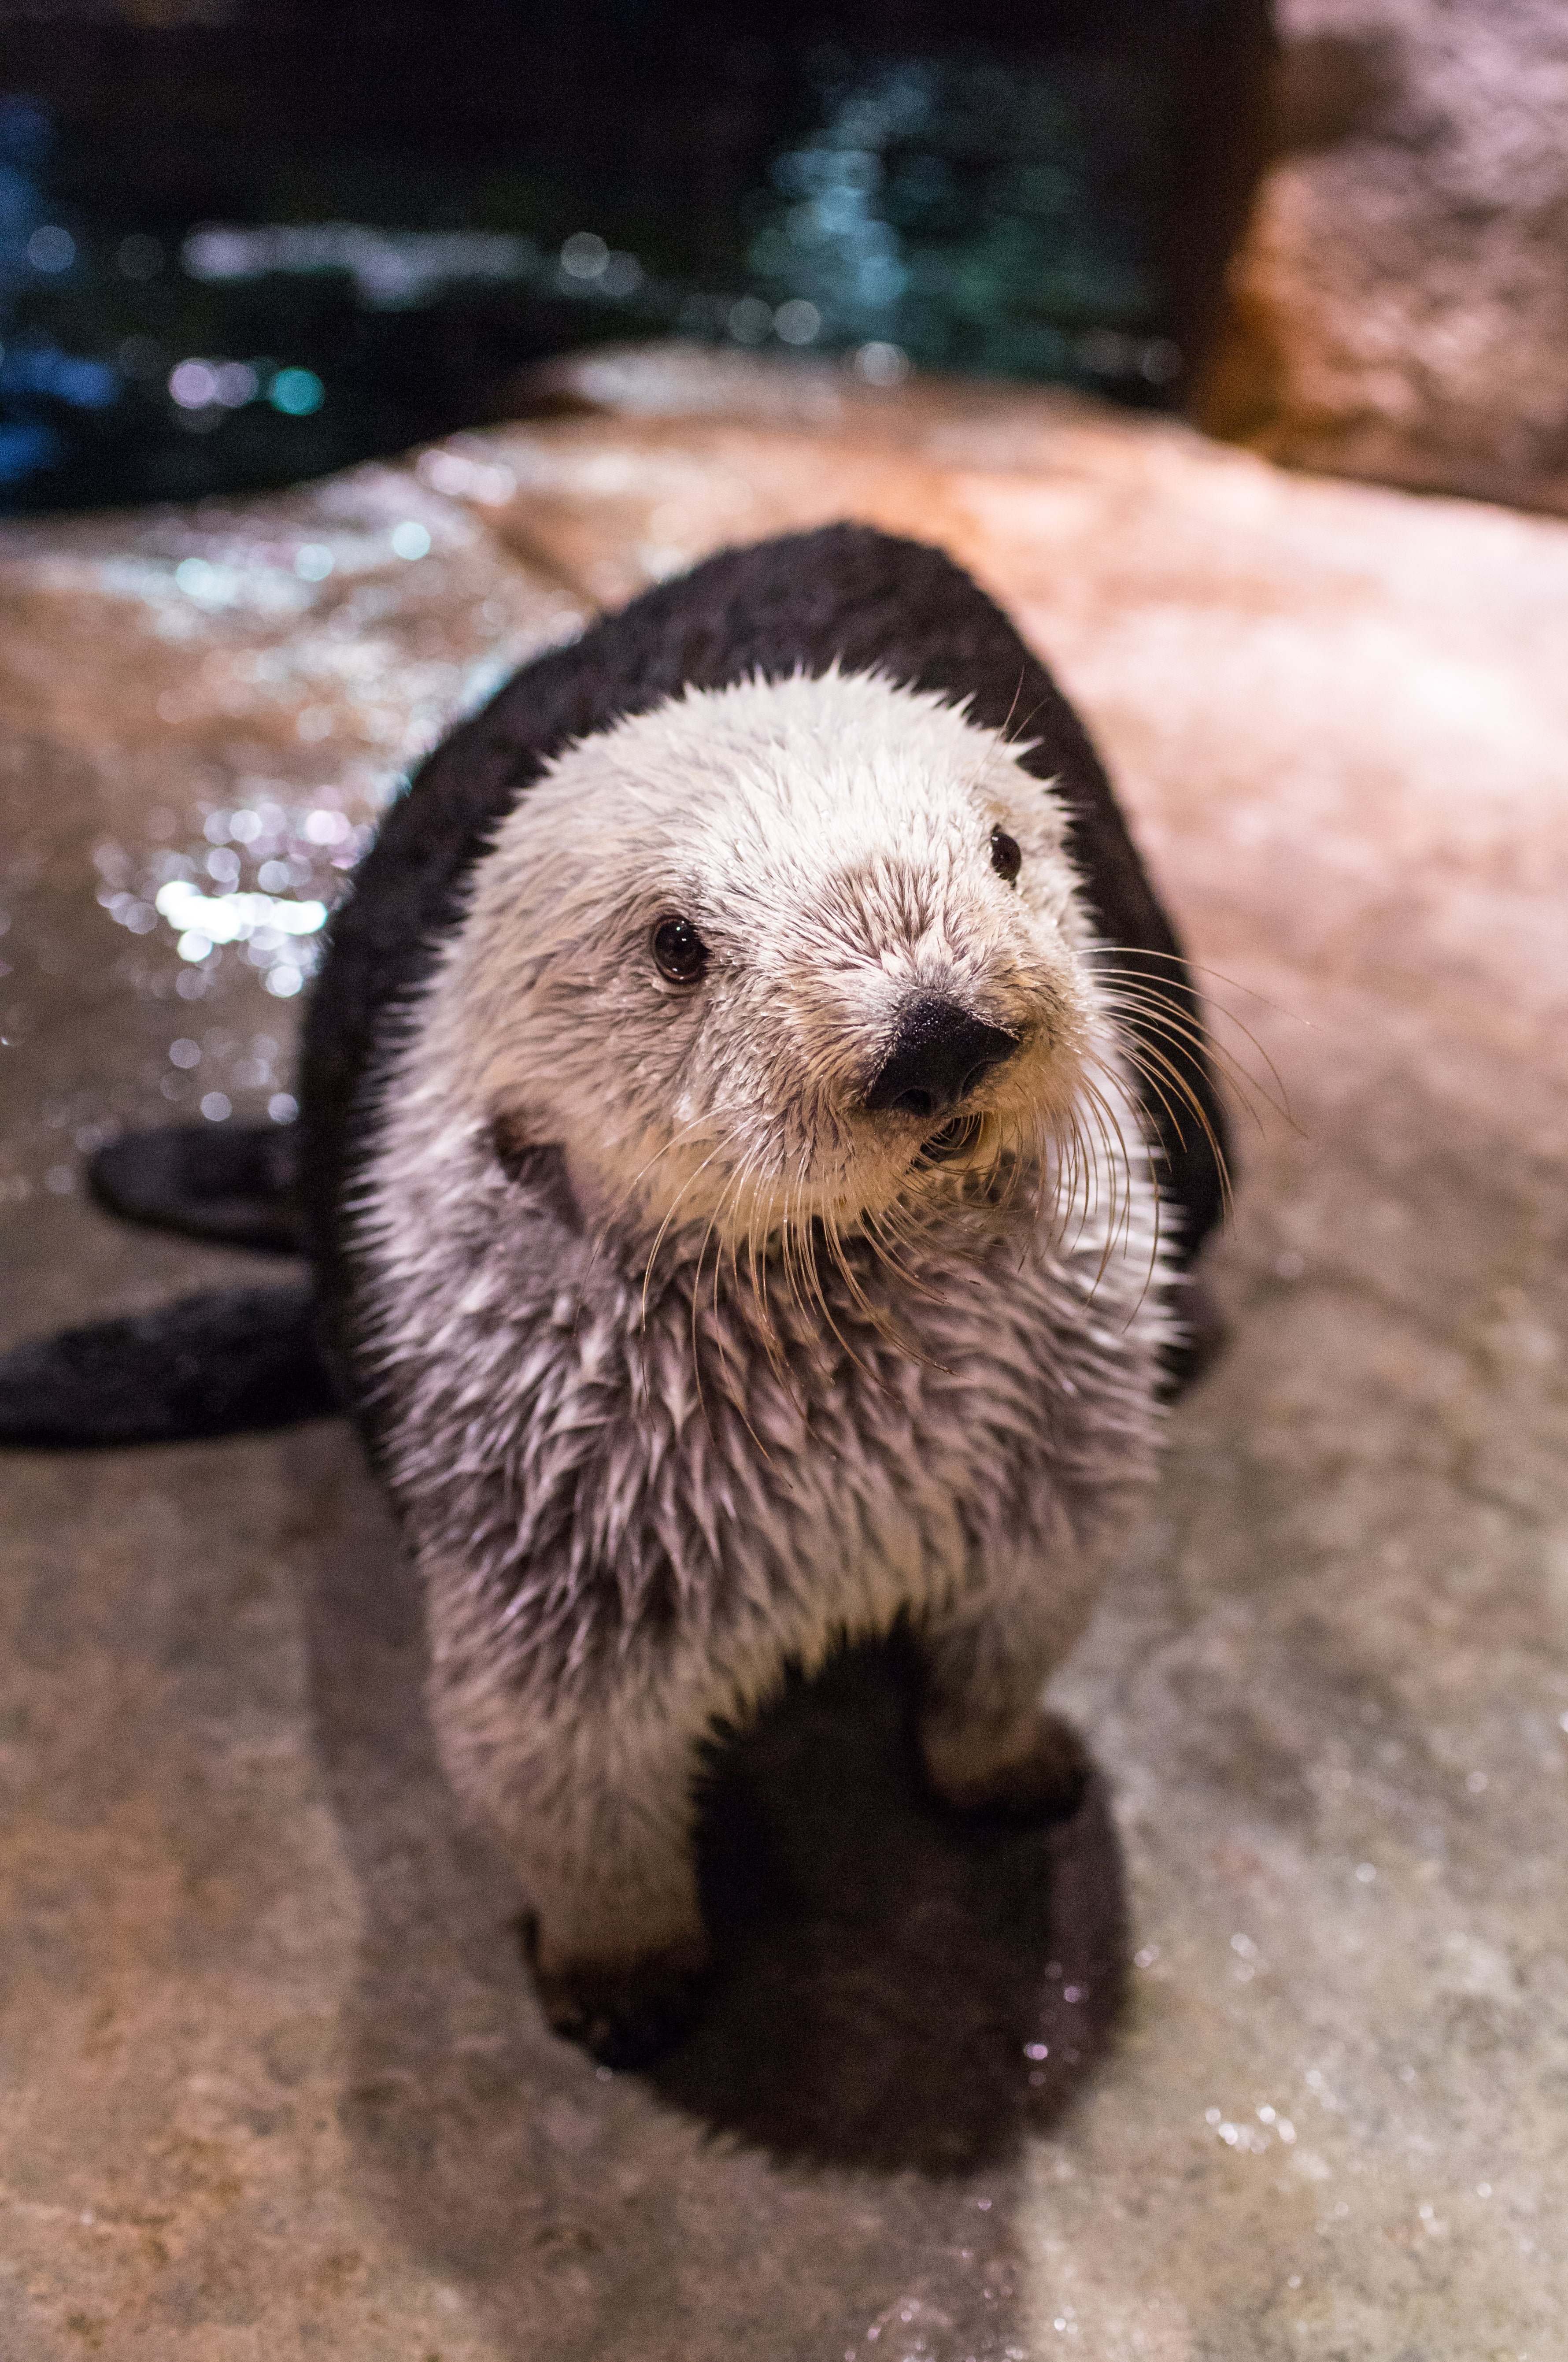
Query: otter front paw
625, 2011
1033, 1768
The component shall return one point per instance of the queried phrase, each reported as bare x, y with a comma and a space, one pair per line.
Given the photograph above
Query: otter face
788, 952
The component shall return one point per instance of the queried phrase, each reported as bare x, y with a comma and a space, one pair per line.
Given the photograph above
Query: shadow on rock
894, 1987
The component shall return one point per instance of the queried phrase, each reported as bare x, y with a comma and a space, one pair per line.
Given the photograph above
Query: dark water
239, 247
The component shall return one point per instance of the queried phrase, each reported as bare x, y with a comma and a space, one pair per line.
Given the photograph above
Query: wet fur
724, 1372
681, 1367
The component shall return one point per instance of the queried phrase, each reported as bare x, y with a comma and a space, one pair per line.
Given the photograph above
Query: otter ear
537, 1166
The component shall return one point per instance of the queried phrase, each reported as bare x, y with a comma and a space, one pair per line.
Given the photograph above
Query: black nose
940, 1054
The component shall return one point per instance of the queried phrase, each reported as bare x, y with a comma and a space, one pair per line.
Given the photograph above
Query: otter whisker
1104, 1127
1117, 1172
696, 1342
1139, 1015
1151, 1268
1197, 967
870, 1227
793, 1246
812, 1274
736, 1386
698, 1123
897, 1227
1050, 1149
876, 1315
1156, 1238
1161, 1042
1085, 1176
664, 1227
1054, 1165
1076, 1165
1163, 1077
894, 1226
790, 1230
754, 1286
1148, 995
746, 1192
605, 1229
757, 1230
1158, 1071
1145, 1012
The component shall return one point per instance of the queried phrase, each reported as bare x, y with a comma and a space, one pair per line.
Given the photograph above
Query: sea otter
754, 1119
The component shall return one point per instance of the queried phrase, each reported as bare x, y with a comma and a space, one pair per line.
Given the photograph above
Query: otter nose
940, 1054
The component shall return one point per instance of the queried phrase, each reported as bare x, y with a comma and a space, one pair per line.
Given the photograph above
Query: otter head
787, 953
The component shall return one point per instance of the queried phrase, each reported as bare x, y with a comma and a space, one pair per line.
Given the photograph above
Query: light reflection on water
229, 723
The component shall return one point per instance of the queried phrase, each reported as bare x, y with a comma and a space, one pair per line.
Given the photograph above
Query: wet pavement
1263, 2056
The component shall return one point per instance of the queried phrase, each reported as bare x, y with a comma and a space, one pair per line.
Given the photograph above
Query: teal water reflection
213, 278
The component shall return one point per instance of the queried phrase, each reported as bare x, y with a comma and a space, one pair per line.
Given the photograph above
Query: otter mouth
952, 1141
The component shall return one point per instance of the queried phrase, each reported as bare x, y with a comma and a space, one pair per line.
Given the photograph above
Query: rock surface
274, 2086
1398, 309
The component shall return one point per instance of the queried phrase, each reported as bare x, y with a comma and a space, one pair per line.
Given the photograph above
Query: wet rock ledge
274, 2085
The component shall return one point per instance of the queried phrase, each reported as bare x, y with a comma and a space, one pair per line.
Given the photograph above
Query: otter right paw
623, 2012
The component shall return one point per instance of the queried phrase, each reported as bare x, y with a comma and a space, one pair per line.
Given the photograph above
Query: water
240, 251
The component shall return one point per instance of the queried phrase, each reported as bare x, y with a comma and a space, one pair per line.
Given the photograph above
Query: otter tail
231, 1360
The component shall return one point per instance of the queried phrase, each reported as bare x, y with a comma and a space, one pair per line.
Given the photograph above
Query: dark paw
1039, 1776
623, 2012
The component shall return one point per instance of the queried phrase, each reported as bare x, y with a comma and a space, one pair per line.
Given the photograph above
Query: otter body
745, 1202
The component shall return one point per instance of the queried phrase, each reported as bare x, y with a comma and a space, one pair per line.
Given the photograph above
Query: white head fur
830, 842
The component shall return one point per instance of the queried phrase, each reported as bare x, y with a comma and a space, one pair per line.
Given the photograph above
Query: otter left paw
623, 2012
1033, 1770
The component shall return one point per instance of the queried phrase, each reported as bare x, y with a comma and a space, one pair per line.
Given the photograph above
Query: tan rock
1398, 309
274, 2085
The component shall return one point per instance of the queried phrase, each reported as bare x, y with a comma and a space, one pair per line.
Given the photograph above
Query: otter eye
1007, 859
681, 953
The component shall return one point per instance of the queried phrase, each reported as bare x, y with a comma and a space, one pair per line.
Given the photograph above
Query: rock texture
274, 2085
1398, 309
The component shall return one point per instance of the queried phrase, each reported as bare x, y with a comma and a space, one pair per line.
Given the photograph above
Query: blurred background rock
1399, 308
242, 242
